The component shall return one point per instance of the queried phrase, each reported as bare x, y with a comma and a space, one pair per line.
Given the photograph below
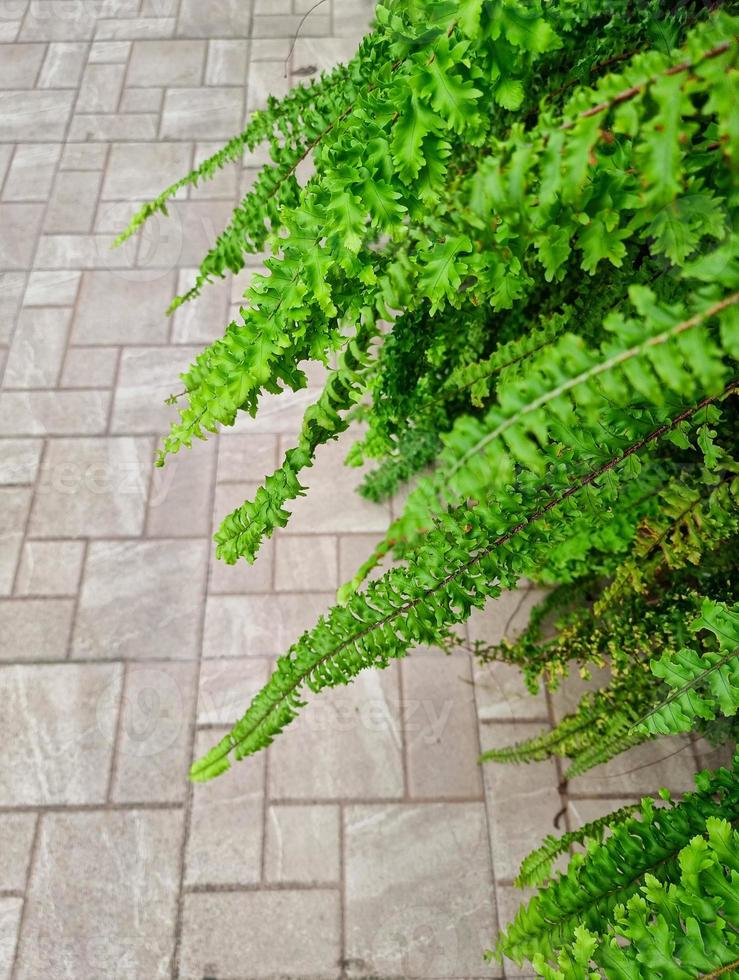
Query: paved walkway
366, 842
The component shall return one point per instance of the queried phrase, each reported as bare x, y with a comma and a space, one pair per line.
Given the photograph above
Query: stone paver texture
365, 842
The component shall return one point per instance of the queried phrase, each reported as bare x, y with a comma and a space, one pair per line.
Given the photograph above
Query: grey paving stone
109, 52
222, 18
10, 919
226, 688
306, 562
14, 505
52, 288
92, 488
227, 62
63, 66
186, 236
166, 63
19, 460
273, 7
73, 202
122, 310
351, 15
141, 600
48, 21
419, 899
25, 114
35, 629
303, 844
12, 285
317, 25
20, 64
503, 696
113, 126
6, 152
31, 173
202, 113
16, 838
57, 728
153, 750
354, 550
81, 252
100, 90
147, 377
159, 8
439, 722
142, 170
181, 495
9, 28
522, 801
53, 413
329, 482
89, 367
500, 690
265, 78
50, 568
233, 806
245, 458
642, 770
346, 744
37, 351
259, 625
504, 617
78, 156
19, 225
213, 947
142, 100
94, 907
712, 756
204, 320
134, 29
271, 49
322, 53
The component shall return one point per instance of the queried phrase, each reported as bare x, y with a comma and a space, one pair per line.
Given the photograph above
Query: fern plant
665, 880
518, 253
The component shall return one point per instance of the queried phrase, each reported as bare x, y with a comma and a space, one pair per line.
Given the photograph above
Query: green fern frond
566, 398
443, 581
288, 118
242, 532
590, 892
685, 928
704, 685
536, 867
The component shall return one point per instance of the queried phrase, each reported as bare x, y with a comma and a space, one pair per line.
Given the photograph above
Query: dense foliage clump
518, 252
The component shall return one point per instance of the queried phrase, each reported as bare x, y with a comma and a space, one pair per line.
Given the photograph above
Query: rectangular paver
439, 723
10, 917
35, 629
141, 600
95, 909
57, 727
93, 487
419, 899
152, 753
212, 946
234, 809
345, 744
16, 839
